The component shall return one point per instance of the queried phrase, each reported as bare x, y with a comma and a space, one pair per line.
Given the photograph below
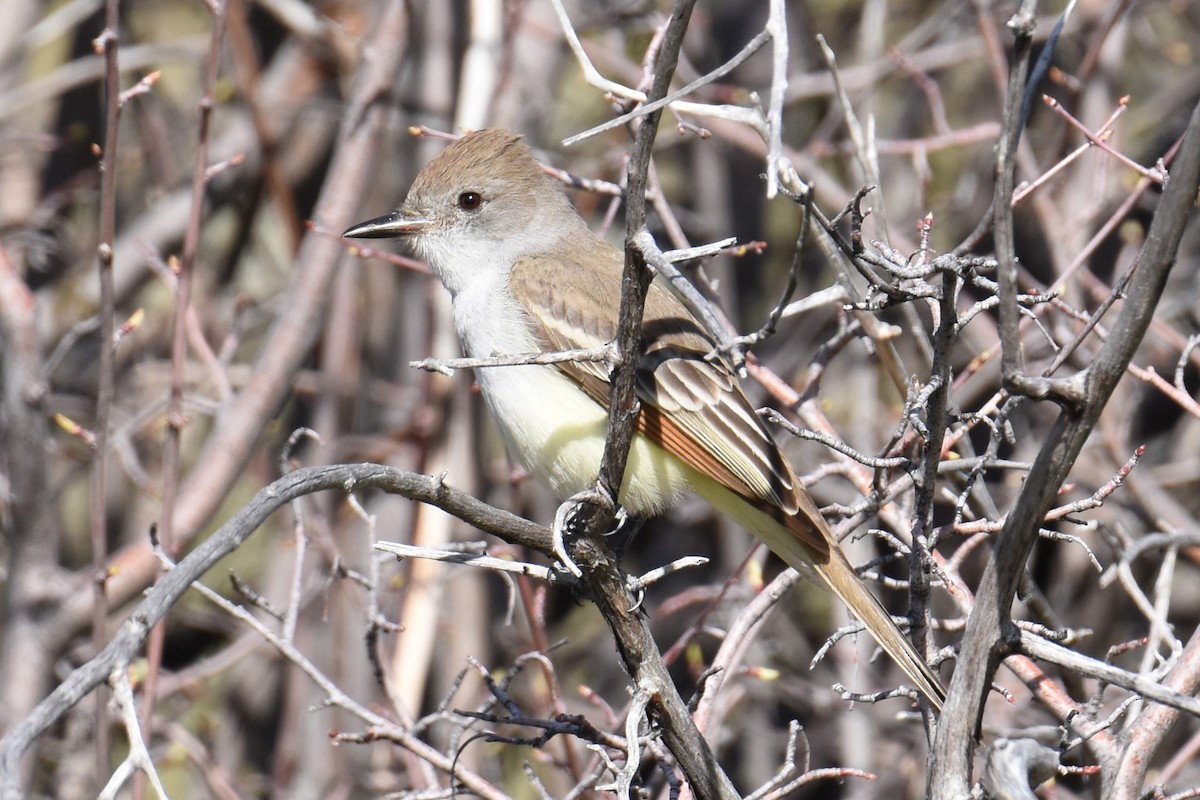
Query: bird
526, 274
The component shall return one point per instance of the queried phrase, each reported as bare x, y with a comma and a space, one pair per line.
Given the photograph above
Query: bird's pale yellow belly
557, 432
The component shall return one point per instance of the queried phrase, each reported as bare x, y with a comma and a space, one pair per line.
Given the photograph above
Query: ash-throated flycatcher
527, 275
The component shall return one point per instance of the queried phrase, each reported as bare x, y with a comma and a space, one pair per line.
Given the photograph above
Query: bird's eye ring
470, 201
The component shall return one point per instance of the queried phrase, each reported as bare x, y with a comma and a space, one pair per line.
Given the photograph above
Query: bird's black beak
397, 223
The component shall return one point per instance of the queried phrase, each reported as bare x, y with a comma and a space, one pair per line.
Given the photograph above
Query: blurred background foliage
234, 719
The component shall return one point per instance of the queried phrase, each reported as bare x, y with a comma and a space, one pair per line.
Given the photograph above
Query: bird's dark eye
470, 201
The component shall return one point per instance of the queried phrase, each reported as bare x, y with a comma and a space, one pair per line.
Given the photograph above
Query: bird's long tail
845, 583
787, 539
804, 540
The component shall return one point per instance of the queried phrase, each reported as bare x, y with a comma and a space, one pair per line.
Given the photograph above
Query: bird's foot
568, 522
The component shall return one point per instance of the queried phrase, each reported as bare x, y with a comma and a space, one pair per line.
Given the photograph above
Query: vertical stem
1012, 359
108, 41
623, 406
638, 650
175, 416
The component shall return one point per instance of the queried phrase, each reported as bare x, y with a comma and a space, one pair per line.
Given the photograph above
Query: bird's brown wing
692, 407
